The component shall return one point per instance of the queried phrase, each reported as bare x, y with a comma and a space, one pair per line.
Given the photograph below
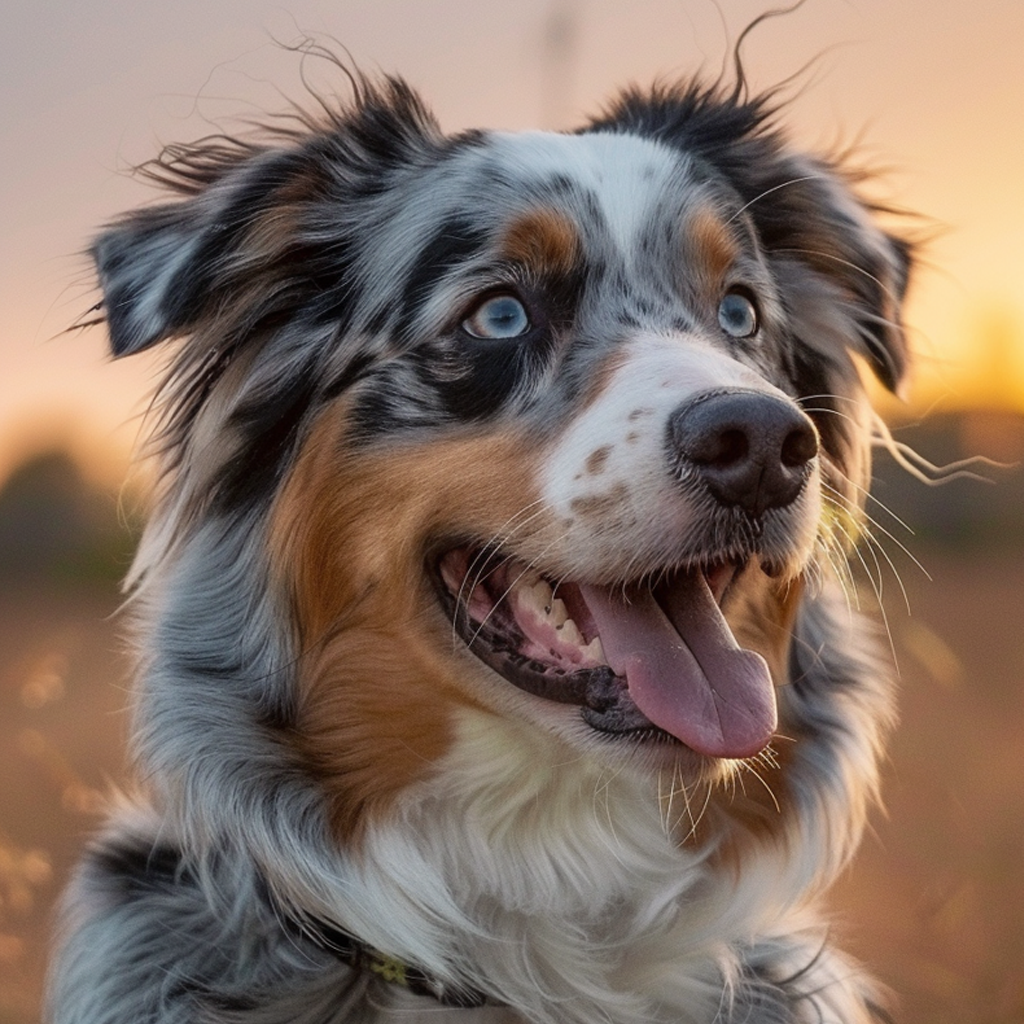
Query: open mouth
654, 660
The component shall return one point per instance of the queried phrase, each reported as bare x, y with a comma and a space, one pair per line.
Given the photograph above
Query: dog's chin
650, 665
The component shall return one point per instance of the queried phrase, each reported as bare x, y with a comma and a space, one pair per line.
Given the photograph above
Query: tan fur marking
275, 232
597, 460
713, 250
603, 375
379, 676
545, 241
606, 505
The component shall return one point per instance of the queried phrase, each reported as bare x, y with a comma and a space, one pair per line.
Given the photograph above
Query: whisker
838, 500
527, 569
840, 569
831, 412
878, 526
852, 266
475, 570
692, 834
768, 191
688, 810
666, 810
603, 789
865, 493
831, 396
877, 588
872, 542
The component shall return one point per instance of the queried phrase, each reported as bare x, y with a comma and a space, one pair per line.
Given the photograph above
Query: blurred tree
56, 527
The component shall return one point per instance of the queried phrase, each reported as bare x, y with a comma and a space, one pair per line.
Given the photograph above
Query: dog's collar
361, 957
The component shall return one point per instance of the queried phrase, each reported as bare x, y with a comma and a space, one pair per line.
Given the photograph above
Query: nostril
720, 448
799, 446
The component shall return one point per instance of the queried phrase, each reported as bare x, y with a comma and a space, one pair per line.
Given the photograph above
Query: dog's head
551, 427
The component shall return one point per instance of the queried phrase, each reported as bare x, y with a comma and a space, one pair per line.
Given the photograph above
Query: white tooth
594, 651
536, 596
529, 578
540, 595
570, 633
558, 612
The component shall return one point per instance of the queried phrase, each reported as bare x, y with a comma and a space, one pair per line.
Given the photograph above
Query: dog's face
545, 427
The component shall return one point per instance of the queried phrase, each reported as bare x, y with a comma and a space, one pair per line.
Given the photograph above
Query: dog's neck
363, 958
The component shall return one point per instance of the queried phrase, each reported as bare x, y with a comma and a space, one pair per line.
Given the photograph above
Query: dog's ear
150, 272
843, 278
266, 219
160, 268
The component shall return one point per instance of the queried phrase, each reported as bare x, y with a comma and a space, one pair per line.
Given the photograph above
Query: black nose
751, 449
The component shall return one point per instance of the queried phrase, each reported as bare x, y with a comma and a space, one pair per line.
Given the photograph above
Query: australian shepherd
494, 660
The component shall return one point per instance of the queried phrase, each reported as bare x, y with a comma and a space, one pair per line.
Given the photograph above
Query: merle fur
180, 921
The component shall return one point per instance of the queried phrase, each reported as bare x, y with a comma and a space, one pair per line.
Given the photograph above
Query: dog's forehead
614, 181
612, 165
618, 199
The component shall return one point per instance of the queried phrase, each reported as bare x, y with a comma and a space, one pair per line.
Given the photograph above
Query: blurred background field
928, 95
934, 901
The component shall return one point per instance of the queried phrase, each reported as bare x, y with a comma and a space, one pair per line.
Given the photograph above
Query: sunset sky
932, 91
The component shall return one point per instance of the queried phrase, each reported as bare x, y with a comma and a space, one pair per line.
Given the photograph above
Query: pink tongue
683, 667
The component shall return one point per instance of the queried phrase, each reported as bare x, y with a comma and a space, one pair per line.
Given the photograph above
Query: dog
495, 663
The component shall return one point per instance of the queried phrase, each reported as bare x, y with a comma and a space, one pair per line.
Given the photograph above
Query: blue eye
737, 315
501, 316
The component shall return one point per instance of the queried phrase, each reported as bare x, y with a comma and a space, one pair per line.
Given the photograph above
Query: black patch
327, 273
267, 430
186, 298
561, 185
389, 127
456, 377
482, 374
380, 408
232, 1004
354, 371
136, 868
490, 374
724, 130
456, 240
